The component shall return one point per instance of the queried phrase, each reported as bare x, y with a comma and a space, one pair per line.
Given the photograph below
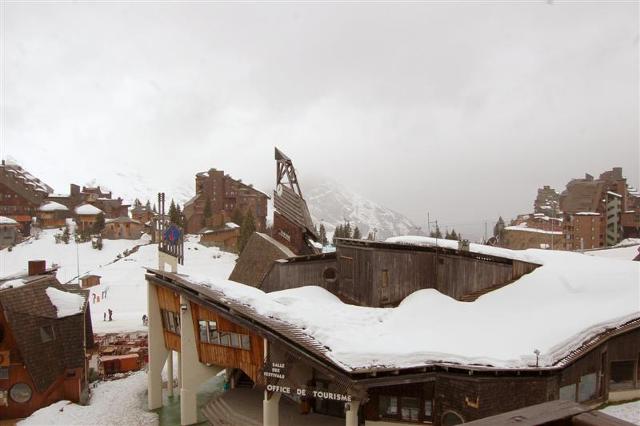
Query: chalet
122, 228
9, 232
20, 194
86, 215
469, 332
45, 328
217, 197
96, 196
52, 214
226, 238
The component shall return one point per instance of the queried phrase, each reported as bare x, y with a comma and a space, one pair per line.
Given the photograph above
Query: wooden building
122, 228
230, 330
217, 197
52, 215
96, 196
42, 346
226, 238
86, 215
20, 194
380, 274
9, 232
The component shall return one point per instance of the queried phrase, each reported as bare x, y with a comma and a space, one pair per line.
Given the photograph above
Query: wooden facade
438, 394
381, 274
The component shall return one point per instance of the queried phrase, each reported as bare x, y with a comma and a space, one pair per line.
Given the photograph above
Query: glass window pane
246, 342
428, 408
235, 340
214, 337
621, 375
172, 326
225, 340
410, 407
388, 406
587, 387
568, 393
204, 333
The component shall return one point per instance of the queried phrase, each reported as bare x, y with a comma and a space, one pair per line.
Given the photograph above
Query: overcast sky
461, 110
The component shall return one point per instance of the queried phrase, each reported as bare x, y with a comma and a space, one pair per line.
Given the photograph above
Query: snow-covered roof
524, 227
122, 219
51, 206
232, 225
570, 299
66, 303
7, 221
87, 209
413, 240
587, 214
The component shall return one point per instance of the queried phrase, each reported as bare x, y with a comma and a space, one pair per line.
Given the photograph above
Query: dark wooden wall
363, 272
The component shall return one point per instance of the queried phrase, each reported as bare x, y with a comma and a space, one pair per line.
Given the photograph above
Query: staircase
470, 297
219, 413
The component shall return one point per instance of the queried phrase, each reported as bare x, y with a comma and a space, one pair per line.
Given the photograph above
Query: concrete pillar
194, 373
170, 374
271, 410
179, 370
157, 349
351, 415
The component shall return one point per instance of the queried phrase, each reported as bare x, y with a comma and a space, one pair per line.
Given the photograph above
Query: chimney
37, 267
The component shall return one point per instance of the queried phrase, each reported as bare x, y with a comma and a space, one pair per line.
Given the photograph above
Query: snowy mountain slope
332, 204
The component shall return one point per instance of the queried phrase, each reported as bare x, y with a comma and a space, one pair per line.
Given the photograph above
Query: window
587, 387
4, 373
388, 406
46, 334
170, 321
20, 393
213, 332
330, 275
246, 342
204, 332
568, 393
410, 408
428, 409
225, 338
235, 340
621, 376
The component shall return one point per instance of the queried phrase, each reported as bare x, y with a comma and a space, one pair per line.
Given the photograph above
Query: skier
104, 316
110, 314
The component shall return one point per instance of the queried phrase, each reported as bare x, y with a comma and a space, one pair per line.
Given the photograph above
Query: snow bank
629, 412
525, 228
117, 403
66, 303
553, 309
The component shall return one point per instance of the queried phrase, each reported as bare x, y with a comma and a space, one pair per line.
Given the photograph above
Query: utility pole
485, 231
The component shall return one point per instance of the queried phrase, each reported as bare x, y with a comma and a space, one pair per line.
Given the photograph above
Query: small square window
246, 342
46, 334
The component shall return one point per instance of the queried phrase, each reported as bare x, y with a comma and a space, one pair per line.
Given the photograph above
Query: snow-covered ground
629, 412
113, 403
626, 250
123, 279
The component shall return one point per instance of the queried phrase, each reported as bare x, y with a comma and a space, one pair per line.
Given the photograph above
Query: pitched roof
28, 309
294, 208
87, 209
51, 206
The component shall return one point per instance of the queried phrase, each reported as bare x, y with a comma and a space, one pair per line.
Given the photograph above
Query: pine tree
137, 203
247, 229
436, 233
99, 224
66, 234
323, 235
337, 234
178, 216
356, 233
172, 210
447, 235
453, 235
348, 233
155, 210
237, 216
148, 206
370, 236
